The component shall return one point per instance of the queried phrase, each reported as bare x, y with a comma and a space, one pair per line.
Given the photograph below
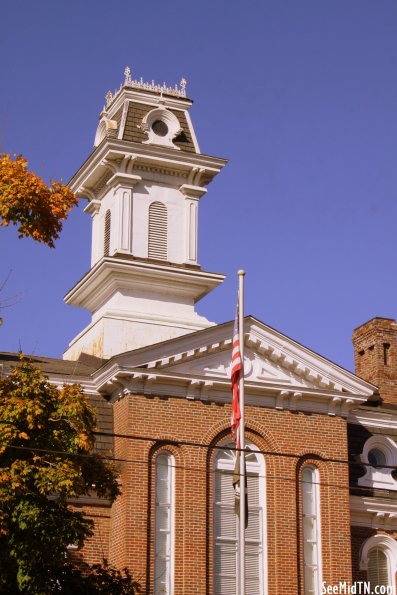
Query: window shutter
157, 231
163, 525
106, 239
226, 528
378, 569
225, 550
310, 528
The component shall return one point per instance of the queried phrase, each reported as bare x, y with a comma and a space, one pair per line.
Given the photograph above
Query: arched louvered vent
378, 570
106, 238
157, 231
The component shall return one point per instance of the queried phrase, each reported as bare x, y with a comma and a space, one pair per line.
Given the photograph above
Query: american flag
235, 375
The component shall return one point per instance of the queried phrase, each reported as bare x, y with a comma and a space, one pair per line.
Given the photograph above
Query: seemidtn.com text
357, 588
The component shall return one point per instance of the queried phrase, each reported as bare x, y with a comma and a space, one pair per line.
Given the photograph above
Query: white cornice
375, 513
374, 417
110, 274
140, 96
193, 367
117, 382
110, 151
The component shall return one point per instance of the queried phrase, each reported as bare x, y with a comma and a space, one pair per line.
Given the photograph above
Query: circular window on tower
160, 128
377, 457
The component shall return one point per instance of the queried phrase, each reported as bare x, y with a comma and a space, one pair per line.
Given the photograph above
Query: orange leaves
46, 438
26, 201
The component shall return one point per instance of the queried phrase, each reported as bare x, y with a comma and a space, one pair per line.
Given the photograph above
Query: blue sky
299, 95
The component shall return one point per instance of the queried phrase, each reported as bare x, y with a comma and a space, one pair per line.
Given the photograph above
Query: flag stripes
235, 377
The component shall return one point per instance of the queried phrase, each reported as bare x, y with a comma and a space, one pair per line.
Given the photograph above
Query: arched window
311, 531
106, 235
164, 525
157, 231
226, 533
378, 558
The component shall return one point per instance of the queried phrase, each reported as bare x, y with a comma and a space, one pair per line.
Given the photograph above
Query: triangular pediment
273, 363
257, 368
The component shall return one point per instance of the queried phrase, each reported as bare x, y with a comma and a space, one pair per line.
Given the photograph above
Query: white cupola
143, 183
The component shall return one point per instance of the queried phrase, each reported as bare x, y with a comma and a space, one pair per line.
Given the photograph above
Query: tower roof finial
127, 74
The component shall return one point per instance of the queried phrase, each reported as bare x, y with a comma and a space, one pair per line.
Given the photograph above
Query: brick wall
375, 354
131, 530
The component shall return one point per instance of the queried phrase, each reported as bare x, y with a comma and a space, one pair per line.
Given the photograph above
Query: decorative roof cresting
177, 91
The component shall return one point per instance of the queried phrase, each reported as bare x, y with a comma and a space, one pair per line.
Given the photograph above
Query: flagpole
241, 274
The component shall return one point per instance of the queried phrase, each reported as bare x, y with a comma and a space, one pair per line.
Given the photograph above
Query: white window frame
224, 465
171, 476
317, 513
379, 477
389, 547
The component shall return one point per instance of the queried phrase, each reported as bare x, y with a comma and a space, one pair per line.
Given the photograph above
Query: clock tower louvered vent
157, 231
106, 239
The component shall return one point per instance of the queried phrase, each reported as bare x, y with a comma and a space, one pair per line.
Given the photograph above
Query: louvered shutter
225, 542
163, 525
378, 569
226, 529
310, 527
253, 538
157, 231
106, 239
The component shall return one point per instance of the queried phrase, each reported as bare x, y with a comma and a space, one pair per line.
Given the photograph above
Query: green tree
46, 458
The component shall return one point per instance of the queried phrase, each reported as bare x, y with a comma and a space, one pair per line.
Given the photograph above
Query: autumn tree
26, 201
47, 457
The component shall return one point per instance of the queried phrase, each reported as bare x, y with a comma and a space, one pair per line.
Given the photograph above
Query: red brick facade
190, 429
288, 439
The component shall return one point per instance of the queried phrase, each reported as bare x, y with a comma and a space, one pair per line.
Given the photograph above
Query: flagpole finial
241, 272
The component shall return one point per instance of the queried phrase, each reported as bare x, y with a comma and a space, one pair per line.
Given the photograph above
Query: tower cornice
112, 272
110, 157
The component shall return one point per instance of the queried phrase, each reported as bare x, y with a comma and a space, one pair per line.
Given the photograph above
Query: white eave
97, 163
373, 512
375, 417
110, 273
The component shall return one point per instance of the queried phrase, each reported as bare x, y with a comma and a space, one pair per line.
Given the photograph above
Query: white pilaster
93, 209
192, 195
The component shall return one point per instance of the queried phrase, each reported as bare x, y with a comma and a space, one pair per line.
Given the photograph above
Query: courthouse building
322, 440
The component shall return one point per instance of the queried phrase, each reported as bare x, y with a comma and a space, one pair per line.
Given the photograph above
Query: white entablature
279, 372
143, 183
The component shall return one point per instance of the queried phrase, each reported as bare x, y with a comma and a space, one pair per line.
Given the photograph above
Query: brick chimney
375, 355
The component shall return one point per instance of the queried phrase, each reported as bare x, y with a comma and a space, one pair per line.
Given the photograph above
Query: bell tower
143, 183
